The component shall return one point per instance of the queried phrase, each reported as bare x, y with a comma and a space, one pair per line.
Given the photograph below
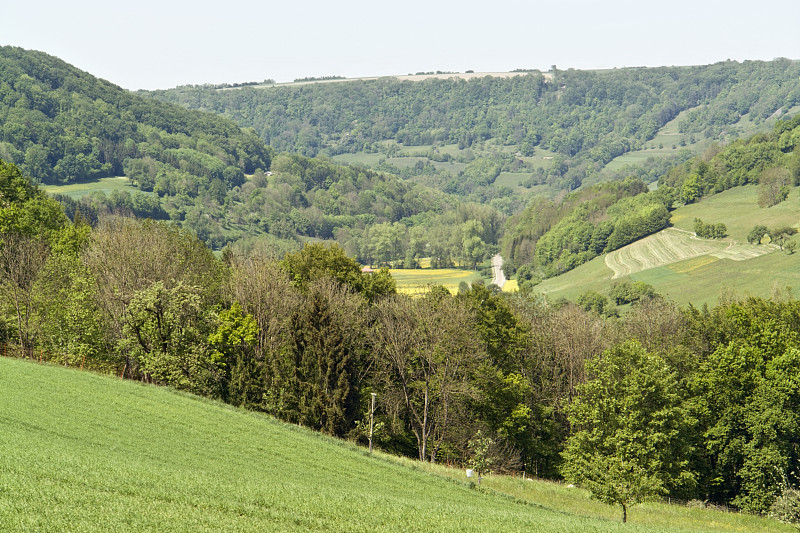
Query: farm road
498, 276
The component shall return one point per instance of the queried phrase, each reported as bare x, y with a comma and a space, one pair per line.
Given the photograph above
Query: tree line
680, 402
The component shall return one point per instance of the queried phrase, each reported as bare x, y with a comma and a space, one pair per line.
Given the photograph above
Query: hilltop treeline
309, 337
61, 125
585, 117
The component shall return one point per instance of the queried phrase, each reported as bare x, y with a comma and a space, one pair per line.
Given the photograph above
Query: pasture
698, 271
738, 209
85, 188
83, 452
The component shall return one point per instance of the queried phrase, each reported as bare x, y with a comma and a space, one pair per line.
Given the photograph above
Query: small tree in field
481, 461
628, 426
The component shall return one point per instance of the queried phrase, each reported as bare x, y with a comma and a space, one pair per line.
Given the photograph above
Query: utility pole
371, 413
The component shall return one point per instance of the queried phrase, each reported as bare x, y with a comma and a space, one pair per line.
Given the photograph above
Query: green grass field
698, 271
738, 209
83, 452
667, 141
84, 188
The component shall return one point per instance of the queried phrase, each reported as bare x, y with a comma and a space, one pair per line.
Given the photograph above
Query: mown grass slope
698, 271
82, 452
86, 187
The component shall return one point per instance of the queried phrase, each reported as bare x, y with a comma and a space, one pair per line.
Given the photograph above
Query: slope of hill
549, 238
692, 270
61, 125
558, 130
83, 452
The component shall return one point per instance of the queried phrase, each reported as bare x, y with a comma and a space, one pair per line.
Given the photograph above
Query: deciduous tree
628, 426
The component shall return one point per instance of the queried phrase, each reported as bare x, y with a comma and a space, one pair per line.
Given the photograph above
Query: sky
152, 44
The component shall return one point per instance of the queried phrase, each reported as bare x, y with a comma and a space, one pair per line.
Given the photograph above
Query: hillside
62, 125
100, 149
693, 270
557, 130
551, 237
83, 452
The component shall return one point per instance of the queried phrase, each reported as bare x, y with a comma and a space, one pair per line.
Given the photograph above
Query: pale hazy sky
152, 44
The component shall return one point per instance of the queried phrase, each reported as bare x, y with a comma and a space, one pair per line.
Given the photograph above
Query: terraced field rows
672, 245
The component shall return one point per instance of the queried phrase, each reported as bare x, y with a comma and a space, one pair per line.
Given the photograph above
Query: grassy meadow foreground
83, 452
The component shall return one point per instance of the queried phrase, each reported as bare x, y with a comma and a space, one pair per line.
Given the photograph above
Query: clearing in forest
672, 245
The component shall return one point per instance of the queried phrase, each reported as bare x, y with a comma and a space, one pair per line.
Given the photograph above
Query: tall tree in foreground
22, 257
427, 352
629, 429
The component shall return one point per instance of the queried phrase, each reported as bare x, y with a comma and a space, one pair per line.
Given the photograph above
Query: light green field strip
85, 188
673, 245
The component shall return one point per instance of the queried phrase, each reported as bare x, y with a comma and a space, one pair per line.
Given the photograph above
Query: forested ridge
586, 118
61, 125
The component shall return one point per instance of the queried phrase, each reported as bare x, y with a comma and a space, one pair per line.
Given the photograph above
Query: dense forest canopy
585, 118
60, 125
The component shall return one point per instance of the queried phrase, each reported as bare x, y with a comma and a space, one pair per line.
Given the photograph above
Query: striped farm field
674, 245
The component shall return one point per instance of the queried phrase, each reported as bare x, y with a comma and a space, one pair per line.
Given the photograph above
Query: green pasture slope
703, 279
85, 188
83, 452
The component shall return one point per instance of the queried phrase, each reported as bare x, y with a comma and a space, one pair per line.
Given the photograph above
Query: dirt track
498, 276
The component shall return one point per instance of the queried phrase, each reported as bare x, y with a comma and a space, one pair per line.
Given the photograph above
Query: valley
274, 278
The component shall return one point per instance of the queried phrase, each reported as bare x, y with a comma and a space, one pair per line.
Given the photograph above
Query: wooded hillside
583, 118
60, 125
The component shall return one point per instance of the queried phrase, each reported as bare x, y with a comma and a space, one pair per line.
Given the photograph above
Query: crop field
84, 188
698, 271
83, 452
510, 285
418, 281
698, 280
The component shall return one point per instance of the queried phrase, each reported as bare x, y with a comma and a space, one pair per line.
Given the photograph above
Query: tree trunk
624, 513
